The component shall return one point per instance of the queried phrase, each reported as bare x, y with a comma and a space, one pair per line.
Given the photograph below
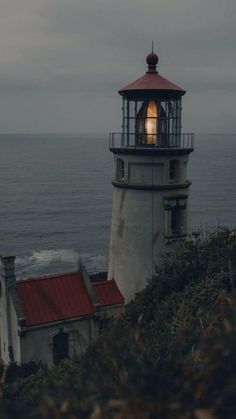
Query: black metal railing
132, 140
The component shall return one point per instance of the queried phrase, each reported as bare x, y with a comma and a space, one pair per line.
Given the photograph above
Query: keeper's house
50, 318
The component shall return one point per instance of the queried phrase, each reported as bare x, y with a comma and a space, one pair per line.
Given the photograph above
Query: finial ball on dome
152, 61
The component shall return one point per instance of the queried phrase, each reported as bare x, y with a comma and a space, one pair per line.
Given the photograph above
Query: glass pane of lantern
151, 122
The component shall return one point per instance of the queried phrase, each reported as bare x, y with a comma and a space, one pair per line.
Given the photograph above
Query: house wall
109, 312
37, 343
4, 324
14, 333
8, 317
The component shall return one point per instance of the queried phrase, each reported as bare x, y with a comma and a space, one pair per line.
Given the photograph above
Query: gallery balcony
159, 142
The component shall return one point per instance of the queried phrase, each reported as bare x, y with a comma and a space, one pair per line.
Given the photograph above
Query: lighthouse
150, 212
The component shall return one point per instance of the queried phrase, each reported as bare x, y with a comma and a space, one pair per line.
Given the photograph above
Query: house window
175, 210
60, 346
174, 170
120, 170
102, 325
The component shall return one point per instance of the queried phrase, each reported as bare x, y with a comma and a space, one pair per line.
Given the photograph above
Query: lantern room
151, 112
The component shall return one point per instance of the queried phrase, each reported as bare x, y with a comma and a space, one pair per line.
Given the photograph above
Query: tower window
176, 223
120, 170
174, 170
176, 220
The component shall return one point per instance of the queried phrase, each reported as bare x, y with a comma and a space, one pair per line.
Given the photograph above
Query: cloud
80, 52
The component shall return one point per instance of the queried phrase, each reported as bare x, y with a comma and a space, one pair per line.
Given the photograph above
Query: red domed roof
151, 80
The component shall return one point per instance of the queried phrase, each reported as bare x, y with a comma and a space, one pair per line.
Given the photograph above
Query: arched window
120, 170
174, 170
60, 346
175, 210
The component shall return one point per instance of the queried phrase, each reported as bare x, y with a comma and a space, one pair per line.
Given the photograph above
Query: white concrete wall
147, 169
8, 284
145, 173
138, 225
15, 335
36, 344
4, 324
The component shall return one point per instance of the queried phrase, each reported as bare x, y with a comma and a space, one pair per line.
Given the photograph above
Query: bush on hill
172, 354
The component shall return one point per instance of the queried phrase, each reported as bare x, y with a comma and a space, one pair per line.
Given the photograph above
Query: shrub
171, 355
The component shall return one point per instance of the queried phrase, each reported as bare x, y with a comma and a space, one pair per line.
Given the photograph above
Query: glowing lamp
151, 122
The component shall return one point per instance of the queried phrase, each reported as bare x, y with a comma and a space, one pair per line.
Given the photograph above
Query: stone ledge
152, 187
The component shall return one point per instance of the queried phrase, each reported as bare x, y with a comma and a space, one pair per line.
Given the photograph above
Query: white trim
26, 329
56, 332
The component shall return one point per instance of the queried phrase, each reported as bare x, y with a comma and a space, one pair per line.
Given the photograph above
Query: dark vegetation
172, 354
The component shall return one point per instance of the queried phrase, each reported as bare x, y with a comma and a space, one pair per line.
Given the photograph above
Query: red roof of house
108, 293
151, 81
63, 296
53, 298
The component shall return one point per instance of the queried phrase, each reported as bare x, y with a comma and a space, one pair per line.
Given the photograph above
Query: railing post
181, 140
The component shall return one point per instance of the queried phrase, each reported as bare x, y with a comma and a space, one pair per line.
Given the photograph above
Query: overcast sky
62, 61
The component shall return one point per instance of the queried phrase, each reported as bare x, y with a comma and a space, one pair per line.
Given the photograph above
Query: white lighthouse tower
150, 198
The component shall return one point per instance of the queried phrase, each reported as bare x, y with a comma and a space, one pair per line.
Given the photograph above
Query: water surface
56, 197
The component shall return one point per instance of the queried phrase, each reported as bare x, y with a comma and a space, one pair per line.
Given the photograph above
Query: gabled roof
52, 298
63, 296
108, 293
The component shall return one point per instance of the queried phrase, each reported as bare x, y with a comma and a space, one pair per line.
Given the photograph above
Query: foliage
15, 371
172, 354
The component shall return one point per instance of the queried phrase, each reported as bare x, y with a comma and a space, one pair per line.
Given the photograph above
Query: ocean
56, 197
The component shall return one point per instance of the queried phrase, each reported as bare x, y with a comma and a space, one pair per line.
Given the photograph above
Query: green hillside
172, 354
